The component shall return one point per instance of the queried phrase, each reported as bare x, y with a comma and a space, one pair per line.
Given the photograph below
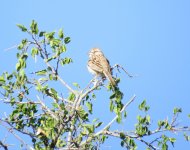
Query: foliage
52, 121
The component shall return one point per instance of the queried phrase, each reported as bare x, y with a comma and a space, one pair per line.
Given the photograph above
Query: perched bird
99, 65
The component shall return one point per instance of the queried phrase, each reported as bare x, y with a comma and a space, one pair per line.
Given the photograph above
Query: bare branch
12, 47
119, 66
99, 82
17, 137
12, 127
5, 146
65, 84
44, 107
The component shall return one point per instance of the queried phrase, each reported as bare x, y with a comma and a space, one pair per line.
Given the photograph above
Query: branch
110, 123
98, 83
30, 102
65, 84
12, 127
117, 134
17, 137
5, 146
44, 107
113, 120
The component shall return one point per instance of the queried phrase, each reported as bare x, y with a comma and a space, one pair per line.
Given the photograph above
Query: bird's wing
104, 63
95, 66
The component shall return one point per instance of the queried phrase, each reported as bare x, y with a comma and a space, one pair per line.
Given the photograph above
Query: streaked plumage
99, 65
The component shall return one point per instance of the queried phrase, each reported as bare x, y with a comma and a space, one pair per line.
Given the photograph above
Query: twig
8, 101
59, 78
21, 131
47, 109
88, 86
66, 100
91, 89
10, 48
119, 66
17, 137
65, 84
5, 146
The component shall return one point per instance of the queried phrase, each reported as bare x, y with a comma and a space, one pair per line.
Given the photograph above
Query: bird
99, 65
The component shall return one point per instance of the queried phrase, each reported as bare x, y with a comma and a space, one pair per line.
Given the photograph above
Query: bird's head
94, 51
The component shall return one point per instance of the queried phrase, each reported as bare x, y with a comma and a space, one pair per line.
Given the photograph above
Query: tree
52, 121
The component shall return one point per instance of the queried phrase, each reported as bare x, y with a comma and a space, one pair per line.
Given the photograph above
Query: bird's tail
109, 77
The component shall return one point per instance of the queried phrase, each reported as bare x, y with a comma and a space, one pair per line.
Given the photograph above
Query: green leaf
98, 124
50, 35
111, 106
122, 135
22, 73
34, 52
24, 56
143, 106
2, 80
41, 72
125, 114
55, 105
76, 85
52, 92
172, 140
7, 88
9, 77
34, 27
22, 27
187, 138
66, 61
89, 127
164, 146
95, 120
71, 96
60, 34
42, 33
89, 106
122, 143
112, 96
82, 114
55, 43
147, 119
62, 48
22, 44
67, 40
18, 66
177, 110
103, 138
49, 59
119, 118
161, 123
93, 96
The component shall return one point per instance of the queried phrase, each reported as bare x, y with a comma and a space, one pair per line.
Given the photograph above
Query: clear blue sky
150, 38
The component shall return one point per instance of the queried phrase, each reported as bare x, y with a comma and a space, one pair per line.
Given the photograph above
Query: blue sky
149, 38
